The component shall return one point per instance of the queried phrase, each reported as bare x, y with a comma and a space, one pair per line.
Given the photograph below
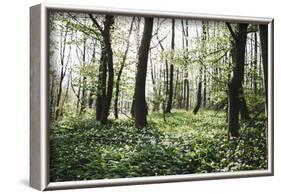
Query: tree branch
85, 27
159, 42
231, 31
95, 22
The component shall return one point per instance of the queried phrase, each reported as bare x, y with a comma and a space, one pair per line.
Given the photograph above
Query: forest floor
81, 149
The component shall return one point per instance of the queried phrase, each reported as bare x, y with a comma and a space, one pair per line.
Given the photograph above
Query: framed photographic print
123, 97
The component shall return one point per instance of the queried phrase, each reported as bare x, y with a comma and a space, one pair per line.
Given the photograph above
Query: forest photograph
140, 96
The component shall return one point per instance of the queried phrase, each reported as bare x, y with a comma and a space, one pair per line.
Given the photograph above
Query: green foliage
81, 149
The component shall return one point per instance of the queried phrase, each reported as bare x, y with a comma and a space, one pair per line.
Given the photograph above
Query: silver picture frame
39, 156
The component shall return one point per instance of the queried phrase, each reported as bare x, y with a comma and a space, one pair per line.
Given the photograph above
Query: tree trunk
176, 92
205, 88
140, 103
84, 80
91, 94
235, 85
244, 112
171, 85
101, 89
187, 95
52, 98
199, 98
264, 49
63, 42
121, 70
255, 65
107, 42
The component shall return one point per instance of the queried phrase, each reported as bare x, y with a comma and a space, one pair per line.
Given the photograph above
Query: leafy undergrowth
80, 149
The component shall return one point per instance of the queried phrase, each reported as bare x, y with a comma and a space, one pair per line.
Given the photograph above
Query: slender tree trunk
78, 102
176, 92
138, 37
264, 49
244, 112
101, 89
140, 103
256, 65
184, 93
59, 94
205, 88
121, 70
105, 85
107, 41
91, 93
52, 98
187, 95
166, 81
199, 98
132, 111
171, 84
65, 97
84, 81
235, 84
62, 69
155, 100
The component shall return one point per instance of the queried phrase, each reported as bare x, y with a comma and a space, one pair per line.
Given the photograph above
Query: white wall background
14, 97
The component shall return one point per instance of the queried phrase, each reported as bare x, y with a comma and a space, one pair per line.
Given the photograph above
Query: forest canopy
133, 96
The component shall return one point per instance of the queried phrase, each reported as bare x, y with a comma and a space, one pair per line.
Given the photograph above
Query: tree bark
255, 64
235, 84
244, 112
105, 89
171, 85
63, 43
187, 95
264, 49
199, 98
84, 80
91, 93
140, 103
107, 41
205, 88
101, 89
121, 70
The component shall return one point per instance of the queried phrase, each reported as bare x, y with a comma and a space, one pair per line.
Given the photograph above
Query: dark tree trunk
140, 103
244, 112
187, 95
65, 97
205, 88
105, 90
91, 99
107, 41
199, 98
84, 80
155, 101
255, 65
133, 106
91, 93
184, 93
101, 90
235, 85
203, 71
59, 94
78, 97
264, 49
121, 70
52, 98
171, 84
166, 80
62, 70
176, 92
